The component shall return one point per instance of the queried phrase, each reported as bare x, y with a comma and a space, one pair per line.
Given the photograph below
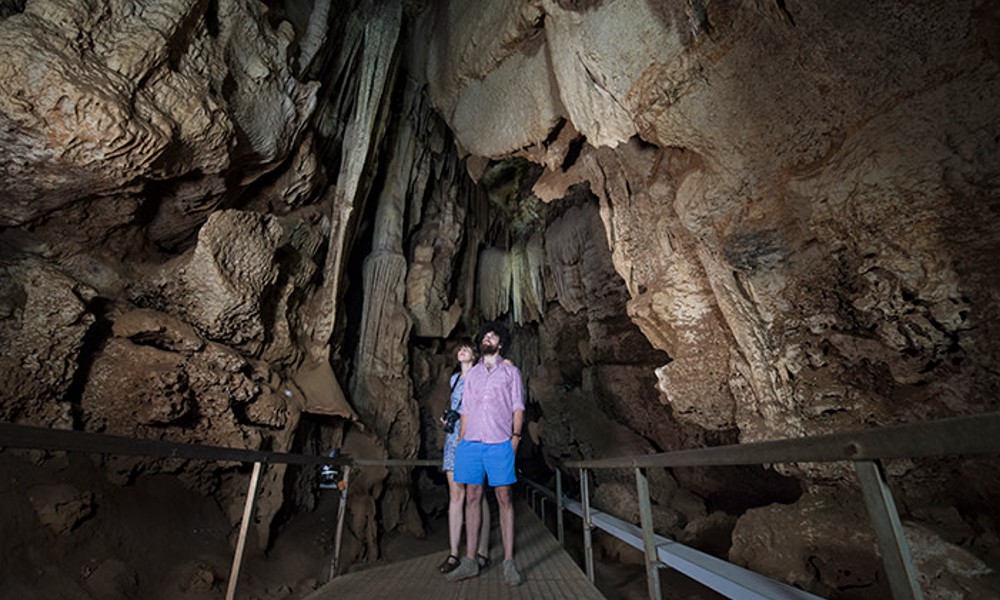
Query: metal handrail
26, 436
954, 436
41, 438
969, 435
715, 573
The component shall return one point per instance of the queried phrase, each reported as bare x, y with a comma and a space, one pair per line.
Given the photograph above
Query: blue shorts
476, 460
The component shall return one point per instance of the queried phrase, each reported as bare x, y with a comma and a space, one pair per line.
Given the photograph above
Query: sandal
449, 564
484, 561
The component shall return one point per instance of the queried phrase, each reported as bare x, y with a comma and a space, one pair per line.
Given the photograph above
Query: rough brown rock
219, 286
135, 93
112, 579
43, 322
61, 507
824, 543
509, 74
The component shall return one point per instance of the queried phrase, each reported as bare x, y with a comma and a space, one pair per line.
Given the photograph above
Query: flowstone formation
266, 226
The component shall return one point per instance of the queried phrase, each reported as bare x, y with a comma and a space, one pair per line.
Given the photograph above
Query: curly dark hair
498, 328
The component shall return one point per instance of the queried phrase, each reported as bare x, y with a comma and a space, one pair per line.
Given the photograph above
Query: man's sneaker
510, 574
467, 569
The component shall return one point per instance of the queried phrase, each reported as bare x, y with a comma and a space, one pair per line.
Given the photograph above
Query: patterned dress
451, 439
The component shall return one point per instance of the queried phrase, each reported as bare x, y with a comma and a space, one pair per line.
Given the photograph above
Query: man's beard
487, 348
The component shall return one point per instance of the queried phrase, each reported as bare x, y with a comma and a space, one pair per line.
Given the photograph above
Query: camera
329, 475
450, 418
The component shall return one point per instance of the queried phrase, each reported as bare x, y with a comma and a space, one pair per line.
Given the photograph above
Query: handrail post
234, 573
892, 543
559, 508
648, 535
341, 512
541, 504
588, 542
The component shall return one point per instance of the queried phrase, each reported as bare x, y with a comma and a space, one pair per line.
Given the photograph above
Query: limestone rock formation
808, 544
44, 325
220, 286
495, 95
266, 224
61, 507
435, 256
137, 94
765, 261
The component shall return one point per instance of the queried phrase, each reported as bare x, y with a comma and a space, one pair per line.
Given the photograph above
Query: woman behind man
456, 506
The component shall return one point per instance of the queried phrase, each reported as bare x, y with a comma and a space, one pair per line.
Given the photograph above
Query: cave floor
548, 572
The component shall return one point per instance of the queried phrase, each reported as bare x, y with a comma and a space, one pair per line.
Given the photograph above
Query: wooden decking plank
548, 571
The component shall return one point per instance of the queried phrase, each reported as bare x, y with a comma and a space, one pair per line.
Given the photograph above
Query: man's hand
517, 429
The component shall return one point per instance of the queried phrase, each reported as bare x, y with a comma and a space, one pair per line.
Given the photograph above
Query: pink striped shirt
489, 401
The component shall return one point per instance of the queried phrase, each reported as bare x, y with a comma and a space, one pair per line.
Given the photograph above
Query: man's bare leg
506, 520
473, 518
510, 573
484, 531
468, 567
456, 509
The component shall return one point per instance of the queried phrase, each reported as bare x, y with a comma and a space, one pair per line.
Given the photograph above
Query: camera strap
454, 383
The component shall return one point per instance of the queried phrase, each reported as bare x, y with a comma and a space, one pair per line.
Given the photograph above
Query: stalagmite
380, 386
384, 324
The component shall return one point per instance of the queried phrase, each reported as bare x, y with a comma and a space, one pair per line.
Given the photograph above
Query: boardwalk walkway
548, 570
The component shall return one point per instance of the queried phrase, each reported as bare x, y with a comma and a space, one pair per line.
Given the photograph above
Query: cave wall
165, 228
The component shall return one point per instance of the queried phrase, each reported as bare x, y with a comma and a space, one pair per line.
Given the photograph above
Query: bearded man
490, 431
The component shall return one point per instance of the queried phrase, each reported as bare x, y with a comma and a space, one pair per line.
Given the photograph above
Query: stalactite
316, 34
436, 214
380, 36
436, 157
565, 240
494, 282
527, 291
469, 261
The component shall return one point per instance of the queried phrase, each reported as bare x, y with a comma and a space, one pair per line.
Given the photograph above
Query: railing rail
40, 438
971, 435
25, 436
715, 573
955, 436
